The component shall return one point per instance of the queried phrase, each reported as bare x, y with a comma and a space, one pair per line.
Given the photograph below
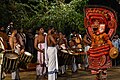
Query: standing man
30, 41
39, 44
116, 42
52, 55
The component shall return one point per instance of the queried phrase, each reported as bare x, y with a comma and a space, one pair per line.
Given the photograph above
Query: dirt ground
113, 74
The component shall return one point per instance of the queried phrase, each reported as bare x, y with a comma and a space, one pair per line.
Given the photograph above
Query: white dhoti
15, 75
40, 70
52, 63
86, 48
74, 66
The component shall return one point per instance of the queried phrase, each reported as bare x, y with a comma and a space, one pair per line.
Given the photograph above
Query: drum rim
8, 55
27, 53
64, 51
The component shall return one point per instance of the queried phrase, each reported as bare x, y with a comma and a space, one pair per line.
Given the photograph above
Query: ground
113, 74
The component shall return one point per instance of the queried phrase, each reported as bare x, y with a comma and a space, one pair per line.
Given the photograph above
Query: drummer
62, 42
15, 47
39, 44
72, 46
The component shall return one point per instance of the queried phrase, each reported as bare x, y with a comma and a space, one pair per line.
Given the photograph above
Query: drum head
27, 53
11, 55
64, 51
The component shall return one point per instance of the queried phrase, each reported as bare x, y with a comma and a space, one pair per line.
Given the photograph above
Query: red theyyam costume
100, 23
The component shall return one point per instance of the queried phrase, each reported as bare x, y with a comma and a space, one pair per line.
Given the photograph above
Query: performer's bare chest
41, 39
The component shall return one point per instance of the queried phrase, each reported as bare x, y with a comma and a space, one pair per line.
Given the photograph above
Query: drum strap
23, 37
2, 43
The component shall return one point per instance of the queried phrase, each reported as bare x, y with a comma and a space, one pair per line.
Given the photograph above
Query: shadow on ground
113, 74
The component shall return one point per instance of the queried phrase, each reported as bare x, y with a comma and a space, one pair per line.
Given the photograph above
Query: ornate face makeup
102, 28
95, 26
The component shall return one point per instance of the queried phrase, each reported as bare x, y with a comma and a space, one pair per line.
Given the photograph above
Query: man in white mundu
39, 44
52, 55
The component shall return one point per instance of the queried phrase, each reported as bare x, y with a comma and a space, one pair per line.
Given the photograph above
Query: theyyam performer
100, 23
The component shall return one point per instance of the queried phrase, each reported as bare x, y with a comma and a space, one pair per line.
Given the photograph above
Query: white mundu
40, 70
52, 63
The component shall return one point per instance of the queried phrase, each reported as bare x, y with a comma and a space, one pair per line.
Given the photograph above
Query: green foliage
64, 17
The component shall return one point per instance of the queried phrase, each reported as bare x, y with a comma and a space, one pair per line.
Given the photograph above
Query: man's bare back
51, 41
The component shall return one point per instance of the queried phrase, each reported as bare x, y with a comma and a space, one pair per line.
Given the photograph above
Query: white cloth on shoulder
46, 55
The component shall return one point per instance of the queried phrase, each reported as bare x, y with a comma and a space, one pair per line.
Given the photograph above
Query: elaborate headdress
103, 15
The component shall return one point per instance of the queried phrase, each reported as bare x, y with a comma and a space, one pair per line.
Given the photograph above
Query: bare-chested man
16, 47
52, 55
39, 44
14, 43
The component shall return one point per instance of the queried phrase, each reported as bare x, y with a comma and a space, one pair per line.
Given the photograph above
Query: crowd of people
116, 43
55, 52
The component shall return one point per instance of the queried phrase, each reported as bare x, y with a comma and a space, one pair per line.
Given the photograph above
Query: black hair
50, 27
40, 27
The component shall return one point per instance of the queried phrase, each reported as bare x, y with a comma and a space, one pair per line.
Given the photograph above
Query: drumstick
7, 50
